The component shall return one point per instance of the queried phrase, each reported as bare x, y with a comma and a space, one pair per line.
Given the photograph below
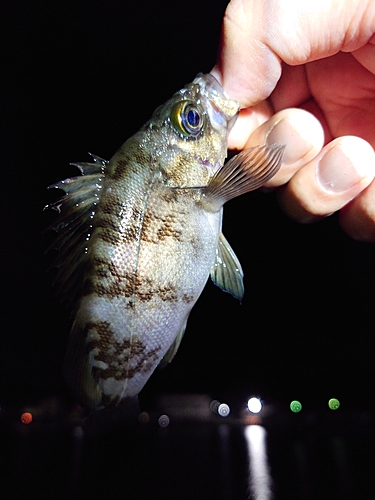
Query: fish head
190, 131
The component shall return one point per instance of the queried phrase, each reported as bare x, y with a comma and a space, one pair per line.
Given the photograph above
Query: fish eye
187, 118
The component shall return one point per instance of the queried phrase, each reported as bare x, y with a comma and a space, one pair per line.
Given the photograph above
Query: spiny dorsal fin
74, 225
226, 271
92, 168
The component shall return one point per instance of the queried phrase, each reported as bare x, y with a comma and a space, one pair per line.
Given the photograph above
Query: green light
334, 404
295, 406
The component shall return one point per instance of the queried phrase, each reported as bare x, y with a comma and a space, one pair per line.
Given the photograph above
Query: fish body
139, 236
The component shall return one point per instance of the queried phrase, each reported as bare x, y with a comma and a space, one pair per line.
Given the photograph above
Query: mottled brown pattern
155, 227
119, 284
109, 231
141, 156
111, 204
111, 226
167, 230
110, 350
128, 285
120, 169
131, 235
103, 330
136, 212
188, 297
104, 266
167, 293
130, 163
112, 290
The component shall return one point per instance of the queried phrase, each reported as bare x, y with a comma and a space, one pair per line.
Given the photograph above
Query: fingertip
339, 174
244, 133
347, 161
300, 131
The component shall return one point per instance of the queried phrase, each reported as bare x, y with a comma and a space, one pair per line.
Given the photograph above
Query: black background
83, 76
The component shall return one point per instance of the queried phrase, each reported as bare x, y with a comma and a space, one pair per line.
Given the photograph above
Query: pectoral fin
226, 271
245, 172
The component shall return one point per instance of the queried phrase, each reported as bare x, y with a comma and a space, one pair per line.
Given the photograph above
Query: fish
139, 235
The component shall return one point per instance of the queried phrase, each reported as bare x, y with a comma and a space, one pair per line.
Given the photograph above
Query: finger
366, 55
358, 217
342, 170
248, 120
299, 130
257, 35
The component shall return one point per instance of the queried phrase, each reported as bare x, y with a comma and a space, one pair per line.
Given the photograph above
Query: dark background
83, 76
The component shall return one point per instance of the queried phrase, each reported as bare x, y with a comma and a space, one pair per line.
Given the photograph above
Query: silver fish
140, 234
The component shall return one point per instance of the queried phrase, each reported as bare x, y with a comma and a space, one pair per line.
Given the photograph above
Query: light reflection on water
260, 481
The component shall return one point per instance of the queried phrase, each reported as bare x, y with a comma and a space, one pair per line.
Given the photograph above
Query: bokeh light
254, 405
334, 404
26, 418
144, 418
163, 420
295, 406
223, 410
214, 405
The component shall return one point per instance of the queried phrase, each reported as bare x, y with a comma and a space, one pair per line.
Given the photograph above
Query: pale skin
304, 73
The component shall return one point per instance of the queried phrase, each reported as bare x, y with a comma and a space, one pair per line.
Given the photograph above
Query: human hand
304, 73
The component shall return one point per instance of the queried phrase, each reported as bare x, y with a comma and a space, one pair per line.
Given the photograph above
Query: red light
26, 418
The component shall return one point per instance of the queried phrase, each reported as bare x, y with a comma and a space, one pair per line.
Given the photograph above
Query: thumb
257, 35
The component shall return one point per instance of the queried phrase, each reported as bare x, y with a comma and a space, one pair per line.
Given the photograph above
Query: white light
254, 405
223, 410
163, 420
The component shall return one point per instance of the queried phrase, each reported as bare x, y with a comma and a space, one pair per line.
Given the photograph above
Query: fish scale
151, 220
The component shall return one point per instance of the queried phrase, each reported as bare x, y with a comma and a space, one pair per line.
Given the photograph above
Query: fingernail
283, 132
336, 172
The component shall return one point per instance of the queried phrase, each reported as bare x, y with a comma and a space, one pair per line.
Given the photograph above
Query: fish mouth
222, 111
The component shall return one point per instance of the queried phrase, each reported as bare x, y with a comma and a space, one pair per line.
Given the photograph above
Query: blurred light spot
163, 420
254, 405
295, 406
214, 405
26, 418
223, 410
144, 418
334, 404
